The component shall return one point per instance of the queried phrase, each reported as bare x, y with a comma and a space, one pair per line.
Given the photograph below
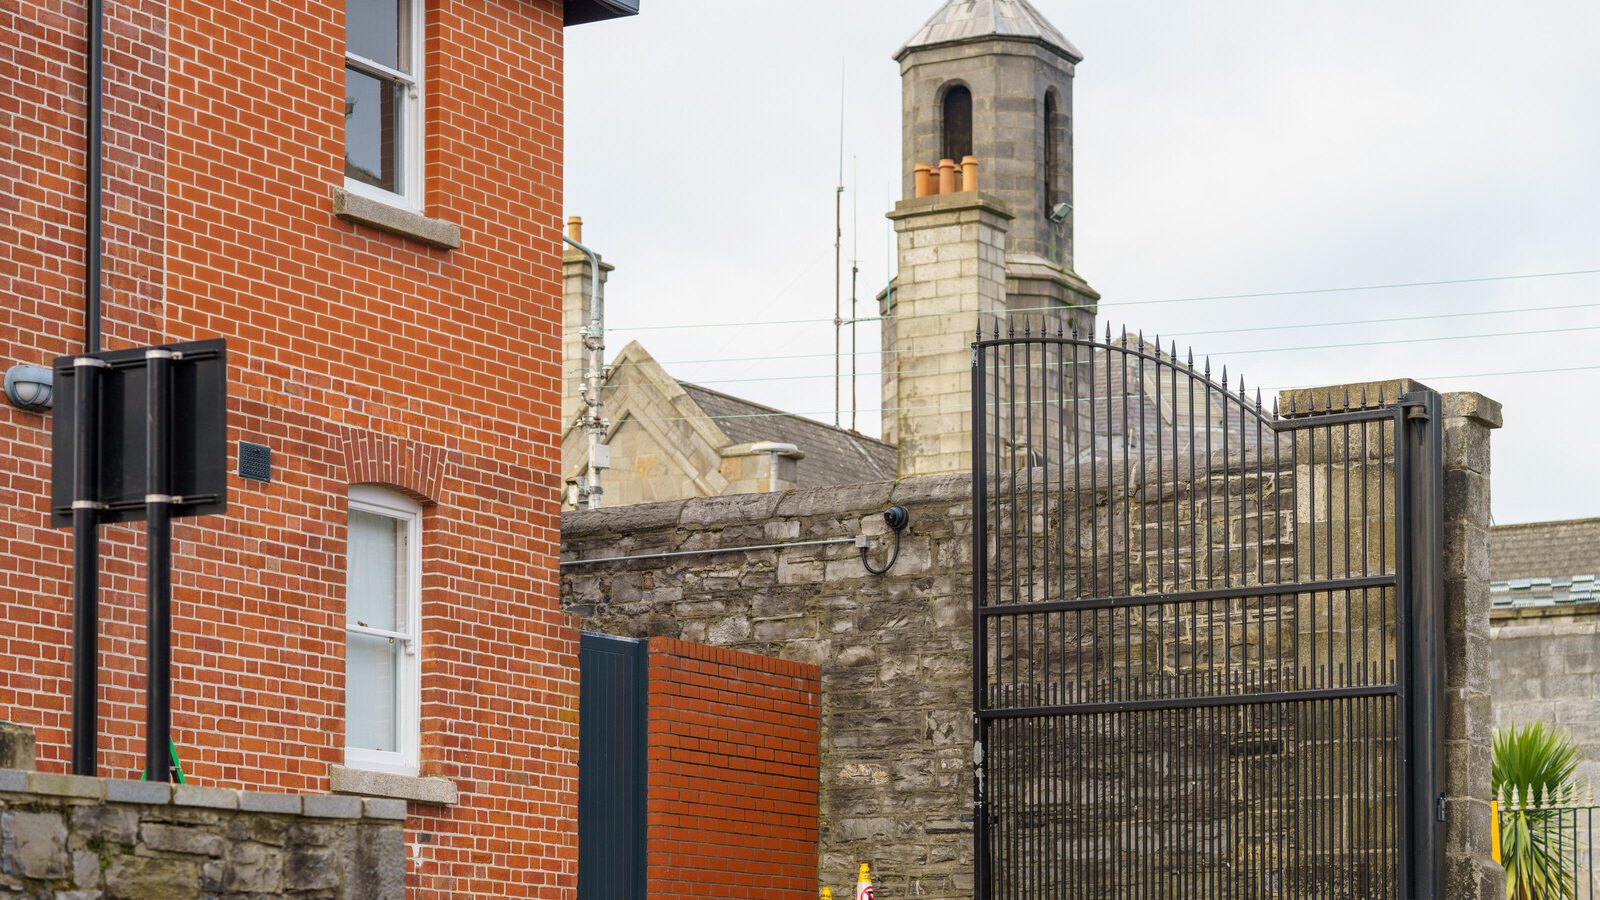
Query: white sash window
383, 100
382, 604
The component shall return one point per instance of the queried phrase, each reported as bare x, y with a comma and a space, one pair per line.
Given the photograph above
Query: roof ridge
785, 413
1593, 520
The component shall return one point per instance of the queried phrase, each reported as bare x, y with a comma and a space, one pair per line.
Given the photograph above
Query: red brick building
363, 197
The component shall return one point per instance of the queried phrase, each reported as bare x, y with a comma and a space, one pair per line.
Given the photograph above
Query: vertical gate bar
1011, 501
1063, 398
1077, 480
1401, 671
980, 583
1094, 485
1161, 543
1127, 471
1348, 667
1027, 461
1366, 743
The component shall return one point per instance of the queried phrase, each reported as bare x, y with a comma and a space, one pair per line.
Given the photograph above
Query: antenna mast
855, 269
838, 260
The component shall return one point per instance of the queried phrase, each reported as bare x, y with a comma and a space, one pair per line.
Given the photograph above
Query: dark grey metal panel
611, 768
579, 12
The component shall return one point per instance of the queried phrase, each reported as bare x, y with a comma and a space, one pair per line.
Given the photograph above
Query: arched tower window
1050, 152
957, 123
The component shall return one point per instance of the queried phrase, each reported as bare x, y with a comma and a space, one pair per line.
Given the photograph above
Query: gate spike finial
1242, 395
1011, 327
1258, 399
1208, 366
1347, 398
1274, 407
1294, 403
1363, 396
1027, 326
1108, 334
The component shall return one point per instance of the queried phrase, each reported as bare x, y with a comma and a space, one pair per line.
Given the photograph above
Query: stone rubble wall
895, 652
74, 838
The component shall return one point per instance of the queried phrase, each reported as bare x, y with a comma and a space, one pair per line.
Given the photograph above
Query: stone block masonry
895, 652
68, 837
732, 797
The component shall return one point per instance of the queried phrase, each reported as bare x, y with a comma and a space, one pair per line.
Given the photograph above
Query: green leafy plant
1533, 777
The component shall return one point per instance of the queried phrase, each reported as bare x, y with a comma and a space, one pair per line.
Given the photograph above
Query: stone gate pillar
1469, 872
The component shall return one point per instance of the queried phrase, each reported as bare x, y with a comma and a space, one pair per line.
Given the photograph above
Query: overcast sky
1224, 147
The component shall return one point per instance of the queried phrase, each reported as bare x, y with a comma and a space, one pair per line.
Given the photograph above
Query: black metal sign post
158, 569
85, 565
145, 438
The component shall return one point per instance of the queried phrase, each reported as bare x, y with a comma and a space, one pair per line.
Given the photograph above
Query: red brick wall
733, 774
357, 356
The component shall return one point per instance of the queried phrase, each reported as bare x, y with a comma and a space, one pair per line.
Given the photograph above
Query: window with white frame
383, 100
382, 607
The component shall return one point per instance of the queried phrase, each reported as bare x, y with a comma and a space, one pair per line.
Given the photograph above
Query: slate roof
1545, 564
1528, 593
832, 455
973, 20
1545, 549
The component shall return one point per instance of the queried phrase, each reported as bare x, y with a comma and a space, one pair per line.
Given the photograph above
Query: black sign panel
199, 449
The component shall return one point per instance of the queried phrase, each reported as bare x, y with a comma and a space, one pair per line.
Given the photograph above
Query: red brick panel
354, 354
733, 774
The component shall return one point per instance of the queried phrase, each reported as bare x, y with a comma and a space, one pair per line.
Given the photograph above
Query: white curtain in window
375, 598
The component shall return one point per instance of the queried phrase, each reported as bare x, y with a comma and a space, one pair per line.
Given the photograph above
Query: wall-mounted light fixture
30, 388
1059, 213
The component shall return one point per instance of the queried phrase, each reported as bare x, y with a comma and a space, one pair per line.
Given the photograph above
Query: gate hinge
1439, 808
1415, 406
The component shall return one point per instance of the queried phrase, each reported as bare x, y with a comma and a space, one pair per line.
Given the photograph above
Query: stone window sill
416, 788
353, 207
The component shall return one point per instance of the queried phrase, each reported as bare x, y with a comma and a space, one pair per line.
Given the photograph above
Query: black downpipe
85, 509
95, 158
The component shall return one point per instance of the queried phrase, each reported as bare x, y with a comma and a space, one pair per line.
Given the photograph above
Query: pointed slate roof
959, 21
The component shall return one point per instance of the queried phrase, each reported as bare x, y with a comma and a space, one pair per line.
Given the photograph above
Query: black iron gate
1205, 632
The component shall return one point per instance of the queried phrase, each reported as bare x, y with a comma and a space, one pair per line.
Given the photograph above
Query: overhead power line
1219, 354
813, 415
1342, 323
1487, 279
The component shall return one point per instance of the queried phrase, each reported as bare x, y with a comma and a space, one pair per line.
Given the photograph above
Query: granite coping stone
146, 793
279, 804
334, 806
81, 786
206, 797
384, 808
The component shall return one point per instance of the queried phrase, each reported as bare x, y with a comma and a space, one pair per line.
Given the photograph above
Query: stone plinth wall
895, 652
896, 702
1545, 664
63, 836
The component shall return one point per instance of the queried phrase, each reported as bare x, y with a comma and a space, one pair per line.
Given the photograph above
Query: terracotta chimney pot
922, 179
575, 228
969, 173
947, 176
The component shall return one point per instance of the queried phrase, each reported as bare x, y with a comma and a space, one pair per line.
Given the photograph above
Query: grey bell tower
993, 79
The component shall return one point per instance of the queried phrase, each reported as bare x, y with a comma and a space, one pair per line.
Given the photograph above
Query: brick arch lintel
409, 466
